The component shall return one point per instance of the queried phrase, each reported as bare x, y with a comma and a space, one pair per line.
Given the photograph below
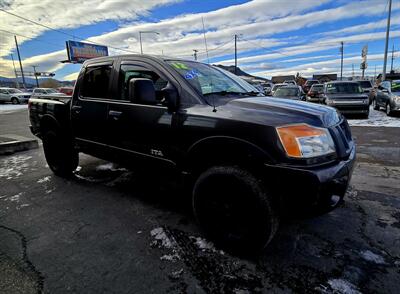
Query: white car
14, 96
43, 92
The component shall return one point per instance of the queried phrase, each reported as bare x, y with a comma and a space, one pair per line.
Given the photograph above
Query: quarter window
96, 82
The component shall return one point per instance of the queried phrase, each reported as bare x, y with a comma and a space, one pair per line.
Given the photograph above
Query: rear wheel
234, 209
60, 154
14, 100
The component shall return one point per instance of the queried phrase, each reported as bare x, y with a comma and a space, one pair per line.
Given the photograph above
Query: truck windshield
208, 80
343, 88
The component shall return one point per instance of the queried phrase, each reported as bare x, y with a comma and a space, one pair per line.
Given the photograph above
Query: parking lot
114, 230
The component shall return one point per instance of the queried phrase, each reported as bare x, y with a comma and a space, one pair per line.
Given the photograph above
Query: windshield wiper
253, 93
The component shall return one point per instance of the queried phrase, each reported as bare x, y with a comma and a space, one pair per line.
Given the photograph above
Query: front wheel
389, 111
60, 154
234, 209
14, 100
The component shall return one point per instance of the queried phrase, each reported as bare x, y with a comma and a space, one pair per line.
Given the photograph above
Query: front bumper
307, 187
362, 109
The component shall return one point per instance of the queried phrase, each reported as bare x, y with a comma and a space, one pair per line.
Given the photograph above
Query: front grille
342, 136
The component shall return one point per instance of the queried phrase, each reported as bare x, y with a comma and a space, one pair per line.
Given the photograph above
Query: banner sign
78, 52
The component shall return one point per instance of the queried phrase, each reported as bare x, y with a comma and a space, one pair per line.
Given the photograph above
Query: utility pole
375, 74
341, 62
236, 54
391, 66
15, 71
195, 54
352, 66
140, 38
34, 73
20, 62
387, 41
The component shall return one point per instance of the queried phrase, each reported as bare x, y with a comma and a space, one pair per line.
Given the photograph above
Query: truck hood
276, 112
347, 96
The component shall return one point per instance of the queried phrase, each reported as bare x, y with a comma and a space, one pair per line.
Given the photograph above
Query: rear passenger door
140, 131
89, 107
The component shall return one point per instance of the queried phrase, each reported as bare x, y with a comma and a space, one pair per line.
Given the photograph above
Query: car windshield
343, 88
276, 87
317, 88
208, 80
365, 84
50, 91
287, 92
396, 86
14, 91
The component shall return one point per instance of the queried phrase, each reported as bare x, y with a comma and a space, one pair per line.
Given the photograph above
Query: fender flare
211, 150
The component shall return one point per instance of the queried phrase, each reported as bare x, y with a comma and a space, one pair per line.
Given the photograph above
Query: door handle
114, 114
76, 109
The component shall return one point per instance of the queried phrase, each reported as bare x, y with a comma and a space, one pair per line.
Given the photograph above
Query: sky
275, 37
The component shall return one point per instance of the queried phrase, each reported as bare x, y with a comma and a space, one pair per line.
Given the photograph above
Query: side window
96, 82
128, 72
3, 91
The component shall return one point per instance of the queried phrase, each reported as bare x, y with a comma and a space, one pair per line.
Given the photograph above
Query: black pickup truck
248, 159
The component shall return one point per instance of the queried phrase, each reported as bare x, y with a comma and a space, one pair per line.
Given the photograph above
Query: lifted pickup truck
246, 157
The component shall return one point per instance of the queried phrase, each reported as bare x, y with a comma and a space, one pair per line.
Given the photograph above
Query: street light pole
341, 62
34, 72
195, 54
140, 38
387, 41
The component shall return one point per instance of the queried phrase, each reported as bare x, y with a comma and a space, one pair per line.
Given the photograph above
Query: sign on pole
78, 52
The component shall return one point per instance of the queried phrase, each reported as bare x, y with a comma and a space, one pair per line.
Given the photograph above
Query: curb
10, 143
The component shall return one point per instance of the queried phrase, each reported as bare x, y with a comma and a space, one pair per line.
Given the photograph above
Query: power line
63, 32
265, 48
31, 38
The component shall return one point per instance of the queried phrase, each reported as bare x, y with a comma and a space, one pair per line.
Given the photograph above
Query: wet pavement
115, 230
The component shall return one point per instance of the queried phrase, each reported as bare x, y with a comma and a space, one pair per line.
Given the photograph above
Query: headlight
304, 141
396, 99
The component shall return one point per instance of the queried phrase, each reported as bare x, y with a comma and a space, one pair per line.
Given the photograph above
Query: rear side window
96, 82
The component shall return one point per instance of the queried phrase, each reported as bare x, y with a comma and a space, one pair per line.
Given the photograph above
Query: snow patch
44, 180
15, 198
109, 166
170, 257
343, 286
14, 167
9, 108
372, 257
376, 119
204, 244
160, 235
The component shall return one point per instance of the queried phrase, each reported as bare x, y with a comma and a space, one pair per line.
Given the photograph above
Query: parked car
268, 88
368, 89
347, 97
66, 90
290, 82
276, 87
388, 97
236, 151
43, 92
290, 92
14, 96
316, 93
307, 85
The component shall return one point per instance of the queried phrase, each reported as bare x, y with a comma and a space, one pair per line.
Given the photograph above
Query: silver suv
14, 96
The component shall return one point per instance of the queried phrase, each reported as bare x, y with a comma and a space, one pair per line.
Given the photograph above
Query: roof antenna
208, 61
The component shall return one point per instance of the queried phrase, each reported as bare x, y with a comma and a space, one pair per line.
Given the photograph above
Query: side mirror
171, 97
142, 91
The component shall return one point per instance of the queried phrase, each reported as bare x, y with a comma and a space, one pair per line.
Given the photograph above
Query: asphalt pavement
114, 230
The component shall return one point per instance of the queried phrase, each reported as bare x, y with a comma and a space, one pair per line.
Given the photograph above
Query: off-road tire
234, 209
60, 154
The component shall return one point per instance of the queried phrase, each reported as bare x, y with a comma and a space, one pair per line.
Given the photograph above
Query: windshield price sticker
192, 74
179, 65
